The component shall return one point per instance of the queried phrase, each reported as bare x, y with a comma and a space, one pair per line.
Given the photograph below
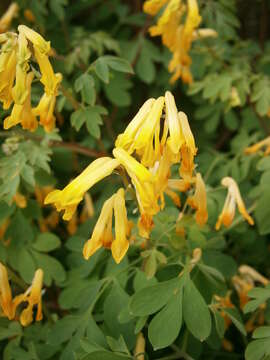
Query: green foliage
178, 303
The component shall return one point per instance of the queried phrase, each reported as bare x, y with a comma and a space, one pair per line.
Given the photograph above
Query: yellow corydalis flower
5, 293
23, 113
176, 137
199, 201
33, 297
16, 53
178, 27
8, 16
7, 70
126, 139
263, 144
233, 198
188, 149
68, 198
102, 235
152, 7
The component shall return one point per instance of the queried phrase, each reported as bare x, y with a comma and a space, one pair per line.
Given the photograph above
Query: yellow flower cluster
157, 137
32, 296
178, 28
16, 77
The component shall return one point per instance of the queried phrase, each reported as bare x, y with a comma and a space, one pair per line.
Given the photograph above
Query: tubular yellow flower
152, 7
188, 149
176, 137
122, 227
38, 41
20, 91
49, 79
233, 198
126, 139
147, 130
102, 234
16, 52
7, 72
131, 165
264, 144
178, 28
45, 108
23, 113
33, 296
6, 19
68, 198
5, 293
199, 201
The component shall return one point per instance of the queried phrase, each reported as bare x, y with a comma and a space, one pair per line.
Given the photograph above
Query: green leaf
262, 212
196, 313
263, 164
46, 242
105, 355
151, 299
26, 265
234, 315
118, 64
14, 329
102, 70
77, 119
52, 268
165, 326
114, 303
259, 295
258, 349
117, 90
220, 323
93, 121
63, 329
86, 85
261, 332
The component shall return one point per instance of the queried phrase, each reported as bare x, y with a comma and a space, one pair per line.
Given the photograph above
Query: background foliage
96, 309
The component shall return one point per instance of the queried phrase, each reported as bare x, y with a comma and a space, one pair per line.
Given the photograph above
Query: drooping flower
33, 297
6, 19
68, 198
188, 149
199, 201
5, 293
7, 70
126, 139
233, 198
23, 113
102, 235
176, 137
15, 55
263, 144
178, 27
